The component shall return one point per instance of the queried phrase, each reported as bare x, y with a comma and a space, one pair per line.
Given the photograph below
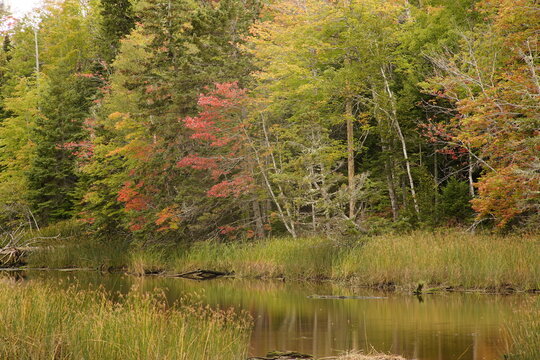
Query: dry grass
454, 259
39, 322
525, 333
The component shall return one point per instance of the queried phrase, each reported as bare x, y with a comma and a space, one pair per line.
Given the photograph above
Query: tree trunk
388, 162
258, 218
350, 156
436, 176
402, 140
407, 166
389, 169
350, 145
283, 212
471, 182
36, 44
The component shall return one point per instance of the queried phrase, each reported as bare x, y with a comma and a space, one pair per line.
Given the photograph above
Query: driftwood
200, 274
345, 297
10, 257
293, 355
282, 355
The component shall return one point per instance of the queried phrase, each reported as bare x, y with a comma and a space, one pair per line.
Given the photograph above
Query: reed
39, 322
150, 261
437, 259
79, 253
451, 258
300, 259
525, 333
456, 259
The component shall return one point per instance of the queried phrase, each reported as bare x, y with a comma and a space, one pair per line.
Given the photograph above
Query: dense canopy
191, 119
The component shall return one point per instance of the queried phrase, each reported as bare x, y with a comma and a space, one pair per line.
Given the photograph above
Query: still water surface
451, 326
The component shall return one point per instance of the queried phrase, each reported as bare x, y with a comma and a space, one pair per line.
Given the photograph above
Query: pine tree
65, 96
163, 65
118, 19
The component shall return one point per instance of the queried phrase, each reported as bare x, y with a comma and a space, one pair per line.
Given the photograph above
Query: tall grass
66, 244
451, 258
146, 261
444, 258
525, 333
308, 258
64, 229
39, 322
80, 253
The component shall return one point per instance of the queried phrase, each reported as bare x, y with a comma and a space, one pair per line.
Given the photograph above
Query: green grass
308, 258
80, 253
442, 259
455, 259
39, 322
141, 262
66, 244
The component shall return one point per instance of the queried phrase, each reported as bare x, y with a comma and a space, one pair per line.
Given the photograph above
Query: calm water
460, 326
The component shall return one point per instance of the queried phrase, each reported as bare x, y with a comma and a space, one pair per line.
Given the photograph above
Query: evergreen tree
118, 19
163, 65
65, 96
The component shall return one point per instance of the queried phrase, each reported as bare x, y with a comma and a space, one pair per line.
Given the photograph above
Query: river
446, 326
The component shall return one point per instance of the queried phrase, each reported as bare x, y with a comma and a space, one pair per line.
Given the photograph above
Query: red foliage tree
219, 130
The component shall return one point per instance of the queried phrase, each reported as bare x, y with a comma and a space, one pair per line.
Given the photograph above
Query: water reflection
442, 327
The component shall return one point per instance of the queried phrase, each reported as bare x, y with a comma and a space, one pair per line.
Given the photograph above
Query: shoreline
346, 284
419, 262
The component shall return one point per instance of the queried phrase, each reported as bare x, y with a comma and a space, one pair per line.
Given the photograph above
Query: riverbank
437, 260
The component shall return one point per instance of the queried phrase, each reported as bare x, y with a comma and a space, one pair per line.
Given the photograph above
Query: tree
493, 82
162, 67
118, 19
64, 100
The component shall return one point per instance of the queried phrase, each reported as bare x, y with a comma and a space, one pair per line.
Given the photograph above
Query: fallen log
283, 355
293, 355
345, 297
201, 274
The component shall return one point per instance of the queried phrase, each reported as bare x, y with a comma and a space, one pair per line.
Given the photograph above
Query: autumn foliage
219, 130
495, 86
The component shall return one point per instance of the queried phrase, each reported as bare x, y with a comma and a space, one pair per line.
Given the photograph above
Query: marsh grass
525, 333
444, 258
65, 229
80, 253
67, 244
369, 356
300, 259
437, 259
454, 259
39, 322
149, 261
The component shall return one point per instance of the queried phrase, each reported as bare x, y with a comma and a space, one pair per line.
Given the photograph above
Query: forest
189, 120
383, 143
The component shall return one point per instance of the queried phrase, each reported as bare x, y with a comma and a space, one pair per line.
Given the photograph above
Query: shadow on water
448, 326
